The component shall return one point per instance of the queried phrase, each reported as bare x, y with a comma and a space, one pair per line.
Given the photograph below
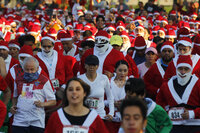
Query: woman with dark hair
100, 85
117, 85
75, 116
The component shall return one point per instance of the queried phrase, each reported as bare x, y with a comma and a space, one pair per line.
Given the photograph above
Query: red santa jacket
153, 79
196, 49
3, 113
109, 62
57, 68
133, 70
7, 36
69, 62
167, 97
171, 69
3, 84
57, 122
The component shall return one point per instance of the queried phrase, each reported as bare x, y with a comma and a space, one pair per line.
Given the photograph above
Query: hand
108, 74
108, 117
13, 110
117, 104
185, 115
39, 104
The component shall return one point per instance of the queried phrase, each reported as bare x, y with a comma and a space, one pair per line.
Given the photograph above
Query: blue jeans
30, 129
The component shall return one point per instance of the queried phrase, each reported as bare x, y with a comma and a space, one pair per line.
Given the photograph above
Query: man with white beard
180, 97
184, 47
107, 56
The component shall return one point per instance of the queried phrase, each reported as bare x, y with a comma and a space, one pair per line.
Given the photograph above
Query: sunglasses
110, 31
13, 27
46, 46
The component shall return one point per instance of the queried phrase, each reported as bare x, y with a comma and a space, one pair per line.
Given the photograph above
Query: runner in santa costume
108, 56
75, 117
9, 60
180, 98
69, 47
51, 62
184, 47
154, 76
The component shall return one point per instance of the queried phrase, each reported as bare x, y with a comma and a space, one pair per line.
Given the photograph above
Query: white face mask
101, 42
47, 54
183, 81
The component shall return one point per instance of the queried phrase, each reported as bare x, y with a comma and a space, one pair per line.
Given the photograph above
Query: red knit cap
140, 43
184, 60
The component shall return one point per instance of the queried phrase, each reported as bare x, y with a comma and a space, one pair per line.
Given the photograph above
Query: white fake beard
125, 47
183, 81
141, 34
49, 54
103, 49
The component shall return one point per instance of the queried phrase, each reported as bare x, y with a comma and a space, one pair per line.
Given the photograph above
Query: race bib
27, 91
175, 113
55, 83
92, 102
75, 129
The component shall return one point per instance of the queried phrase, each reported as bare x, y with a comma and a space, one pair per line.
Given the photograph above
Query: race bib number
92, 102
75, 129
27, 91
55, 83
175, 113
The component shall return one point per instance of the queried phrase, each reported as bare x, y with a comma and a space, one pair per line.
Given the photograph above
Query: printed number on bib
92, 102
55, 83
175, 113
75, 129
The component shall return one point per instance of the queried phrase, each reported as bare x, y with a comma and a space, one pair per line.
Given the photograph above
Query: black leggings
30, 129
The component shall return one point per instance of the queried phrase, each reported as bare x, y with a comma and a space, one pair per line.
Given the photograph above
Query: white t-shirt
100, 86
142, 69
26, 108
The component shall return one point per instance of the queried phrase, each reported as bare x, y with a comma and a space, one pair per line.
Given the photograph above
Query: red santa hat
78, 27
20, 31
183, 32
167, 44
184, 60
140, 26
197, 40
26, 51
156, 13
124, 34
173, 13
103, 35
120, 24
155, 29
48, 37
186, 25
33, 30
170, 34
14, 43
161, 30
165, 21
111, 27
4, 45
52, 32
66, 37
140, 43
186, 41
194, 14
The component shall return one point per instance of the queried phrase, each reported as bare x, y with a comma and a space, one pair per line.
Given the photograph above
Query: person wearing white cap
151, 56
9, 60
184, 47
180, 97
154, 76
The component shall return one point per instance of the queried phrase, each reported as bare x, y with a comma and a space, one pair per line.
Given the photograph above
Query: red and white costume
171, 69
10, 61
57, 70
58, 123
153, 78
168, 97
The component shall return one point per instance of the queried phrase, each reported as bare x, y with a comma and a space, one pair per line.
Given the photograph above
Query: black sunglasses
47, 46
110, 31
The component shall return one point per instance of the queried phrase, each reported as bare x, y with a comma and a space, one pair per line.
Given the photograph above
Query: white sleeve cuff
191, 114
